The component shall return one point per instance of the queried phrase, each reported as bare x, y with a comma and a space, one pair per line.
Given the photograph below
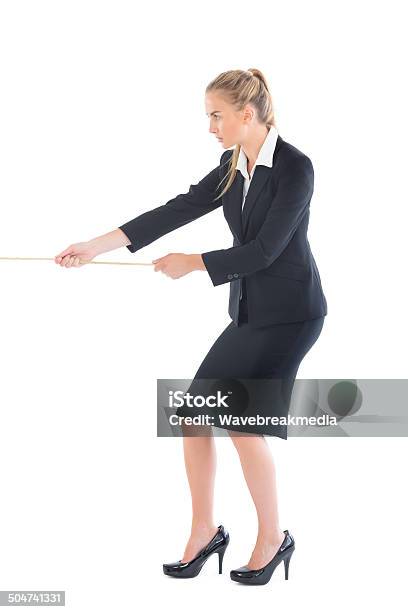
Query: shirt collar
265, 155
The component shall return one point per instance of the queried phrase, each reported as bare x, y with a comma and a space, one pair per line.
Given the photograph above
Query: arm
182, 209
294, 191
149, 226
78, 254
109, 242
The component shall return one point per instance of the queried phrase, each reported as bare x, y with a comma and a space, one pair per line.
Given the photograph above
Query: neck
253, 144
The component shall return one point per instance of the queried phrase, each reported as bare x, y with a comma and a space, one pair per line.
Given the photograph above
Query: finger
65, 252
59, 259
66, 261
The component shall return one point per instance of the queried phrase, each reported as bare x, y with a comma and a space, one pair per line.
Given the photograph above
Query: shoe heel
221, 553
286, 562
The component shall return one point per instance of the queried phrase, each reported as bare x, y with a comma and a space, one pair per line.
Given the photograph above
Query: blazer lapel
261, 174
257, 182
239, 217
234, 196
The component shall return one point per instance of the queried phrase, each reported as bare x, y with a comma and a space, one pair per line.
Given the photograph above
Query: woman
276, 302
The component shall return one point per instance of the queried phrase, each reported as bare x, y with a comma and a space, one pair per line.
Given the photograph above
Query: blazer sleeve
186, 207
289, 205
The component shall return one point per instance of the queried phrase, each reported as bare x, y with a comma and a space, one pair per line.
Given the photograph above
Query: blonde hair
241, 87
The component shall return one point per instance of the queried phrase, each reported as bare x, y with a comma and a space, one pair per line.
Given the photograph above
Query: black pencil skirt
257, 368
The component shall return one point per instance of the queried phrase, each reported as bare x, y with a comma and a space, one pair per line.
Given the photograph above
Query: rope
115, 263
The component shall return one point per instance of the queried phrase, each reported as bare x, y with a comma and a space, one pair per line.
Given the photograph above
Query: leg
200, 452
259, 472
200, 460
225, 359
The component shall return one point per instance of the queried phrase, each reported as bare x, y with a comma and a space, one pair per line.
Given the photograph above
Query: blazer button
230, 276
235, 275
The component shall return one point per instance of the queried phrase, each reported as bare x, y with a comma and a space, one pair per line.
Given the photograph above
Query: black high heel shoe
190, 569
263, 575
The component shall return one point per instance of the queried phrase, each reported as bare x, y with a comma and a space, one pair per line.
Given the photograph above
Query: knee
196, 431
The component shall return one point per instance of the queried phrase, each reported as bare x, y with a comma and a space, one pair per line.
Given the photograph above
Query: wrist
96, 245
197, 262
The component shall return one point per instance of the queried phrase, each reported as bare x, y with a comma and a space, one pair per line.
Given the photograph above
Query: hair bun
259, 75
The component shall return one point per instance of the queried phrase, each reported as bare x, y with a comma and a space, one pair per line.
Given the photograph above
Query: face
229, 126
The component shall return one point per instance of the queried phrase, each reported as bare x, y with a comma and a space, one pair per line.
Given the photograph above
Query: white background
102, 118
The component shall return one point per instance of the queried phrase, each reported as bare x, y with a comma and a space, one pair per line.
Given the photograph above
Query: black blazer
270, 252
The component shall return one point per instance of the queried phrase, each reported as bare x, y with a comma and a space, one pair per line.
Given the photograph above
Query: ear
249, 113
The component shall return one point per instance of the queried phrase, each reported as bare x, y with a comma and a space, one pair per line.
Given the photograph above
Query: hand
176, 265
76, 255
